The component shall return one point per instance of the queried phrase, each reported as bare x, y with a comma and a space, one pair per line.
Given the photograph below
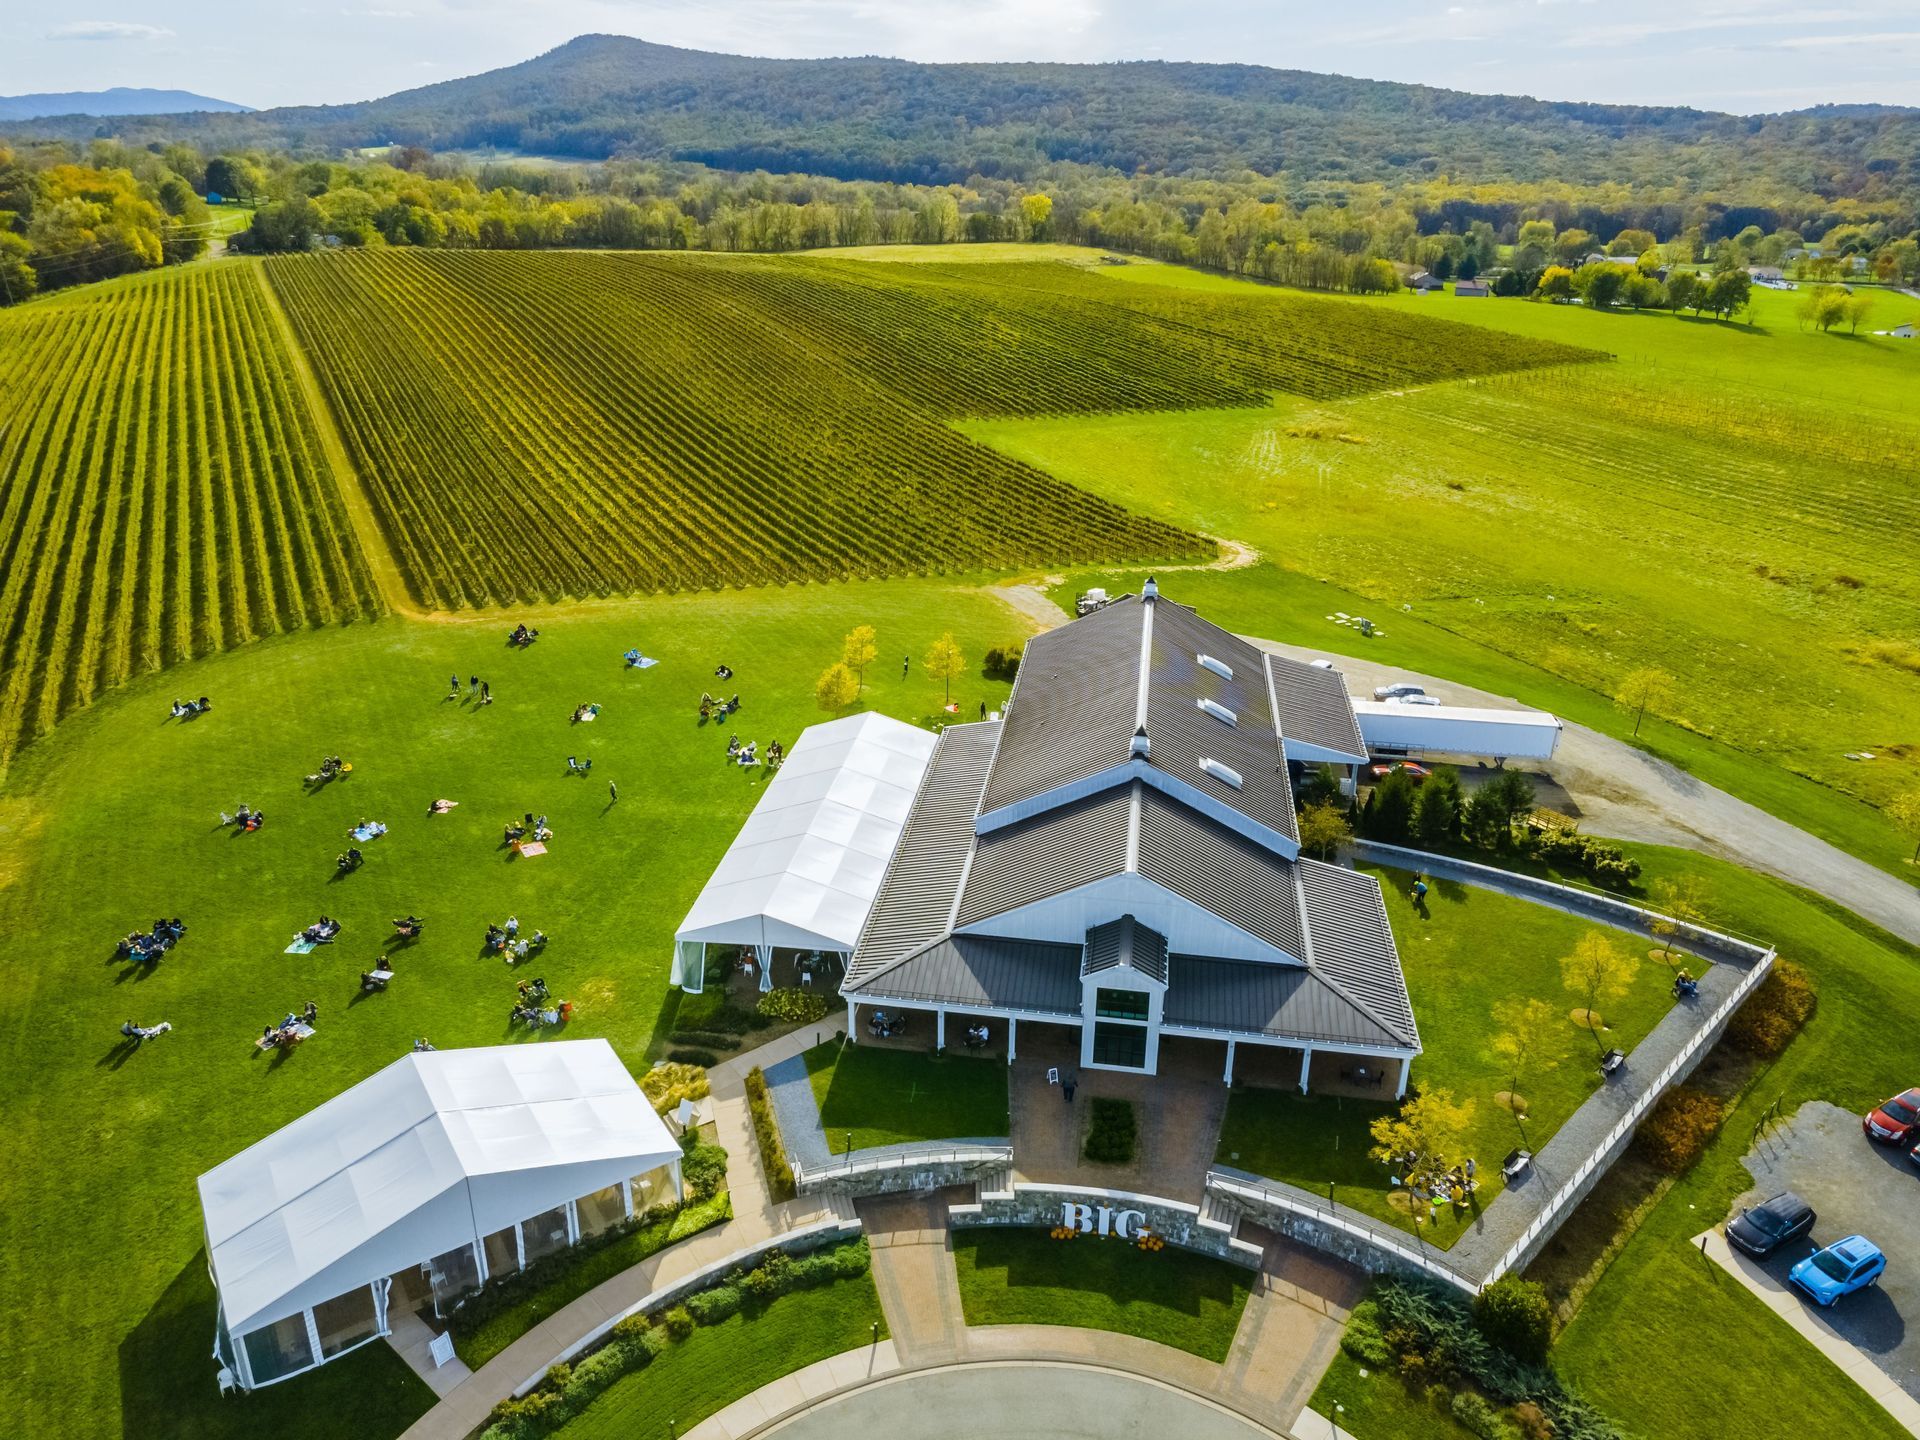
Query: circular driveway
1017, 1400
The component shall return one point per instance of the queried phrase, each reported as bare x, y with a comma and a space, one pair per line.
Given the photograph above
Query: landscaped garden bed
879, 1096
1031, 1277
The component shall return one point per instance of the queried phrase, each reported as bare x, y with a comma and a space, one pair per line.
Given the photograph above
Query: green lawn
1735, 506
112, 820
629, 1250
718, 1364
1376, 1406
1172, 1297
890, 1097
1472, 949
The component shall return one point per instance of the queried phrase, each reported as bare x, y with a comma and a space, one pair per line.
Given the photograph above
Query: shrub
1568, 850
632, 1329
1532, 1421
1471, 1409
1002, 662
1774, 1013
1111, 1132
789, 1006
677, 1322
706, 1039
667, 1084
1515, 1315
710, 1307
558, 1376
766, 1134
703, 1170
1679, 1128
705, 1059
1362, 1339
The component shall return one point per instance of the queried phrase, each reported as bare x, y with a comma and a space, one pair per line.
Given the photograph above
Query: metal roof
1352, 943
982, 971
1126, 942
1251, 998
1084, 688
915, 903
1315, 710
1244, 884
1055, 851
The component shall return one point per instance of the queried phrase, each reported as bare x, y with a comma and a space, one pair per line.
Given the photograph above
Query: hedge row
766, 1133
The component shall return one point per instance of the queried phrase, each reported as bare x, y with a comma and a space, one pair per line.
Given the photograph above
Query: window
279, 1349
656, 1187
1122, 1004
1218, 711
503, 1253
453, 1275
600, 1211
1225, 774
544, 1234
345, 1320
1218, 667
1120, 1045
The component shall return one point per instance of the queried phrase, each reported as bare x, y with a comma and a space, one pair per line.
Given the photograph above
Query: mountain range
601, 96
120, 100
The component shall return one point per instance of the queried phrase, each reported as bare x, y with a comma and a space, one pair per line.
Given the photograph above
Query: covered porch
1274, 1062
891, 1025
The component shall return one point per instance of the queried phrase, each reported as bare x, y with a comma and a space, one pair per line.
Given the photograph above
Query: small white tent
461, 1164
803, 871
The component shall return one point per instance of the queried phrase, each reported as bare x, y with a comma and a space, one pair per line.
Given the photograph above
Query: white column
1012, 1025
1306, 1060
940, 1028
1228, 1077
1406, 1065
853, 1022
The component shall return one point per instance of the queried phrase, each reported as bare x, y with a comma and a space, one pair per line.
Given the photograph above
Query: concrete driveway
1855, 1188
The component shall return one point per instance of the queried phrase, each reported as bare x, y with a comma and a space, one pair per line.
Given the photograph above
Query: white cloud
108, 30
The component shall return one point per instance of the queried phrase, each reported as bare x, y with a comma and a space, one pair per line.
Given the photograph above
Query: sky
1762, 55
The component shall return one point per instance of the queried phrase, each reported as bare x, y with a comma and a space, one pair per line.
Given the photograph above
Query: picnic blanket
532, 847
636, 661
368, 832
300, 947
300, 1030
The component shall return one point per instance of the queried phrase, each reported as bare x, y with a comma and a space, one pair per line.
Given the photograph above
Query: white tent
432, 1162
803, 871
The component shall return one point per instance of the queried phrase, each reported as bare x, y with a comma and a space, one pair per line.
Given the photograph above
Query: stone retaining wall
898, 1169
1044, 1206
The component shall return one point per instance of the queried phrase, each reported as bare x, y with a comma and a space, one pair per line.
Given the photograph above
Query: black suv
1770, 1224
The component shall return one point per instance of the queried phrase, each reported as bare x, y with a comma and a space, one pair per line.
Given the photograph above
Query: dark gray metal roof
1243, 883
981, 971
1072, 711
1056, 851
1314, 707
1182, 732
1077, 702
915, 903
1255, 998
1352, 943
1126, 942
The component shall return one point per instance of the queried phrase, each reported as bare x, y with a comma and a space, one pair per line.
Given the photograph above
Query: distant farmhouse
1476, 289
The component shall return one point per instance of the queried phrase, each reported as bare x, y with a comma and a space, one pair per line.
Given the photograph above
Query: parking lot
1855, 1188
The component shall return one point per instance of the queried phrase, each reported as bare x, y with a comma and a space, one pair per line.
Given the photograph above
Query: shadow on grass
168, 1389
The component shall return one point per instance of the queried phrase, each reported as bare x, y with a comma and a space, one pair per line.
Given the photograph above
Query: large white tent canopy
804, 869
434, 1152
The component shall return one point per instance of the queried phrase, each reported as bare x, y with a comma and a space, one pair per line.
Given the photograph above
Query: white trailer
1418, 730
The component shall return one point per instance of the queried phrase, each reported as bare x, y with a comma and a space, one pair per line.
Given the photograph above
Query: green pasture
1472, 949
113, 820
1734, 506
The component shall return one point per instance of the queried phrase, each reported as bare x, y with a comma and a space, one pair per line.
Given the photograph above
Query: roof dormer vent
1218, 667
1218, 711
1141, 748
1225, 774
1150, 590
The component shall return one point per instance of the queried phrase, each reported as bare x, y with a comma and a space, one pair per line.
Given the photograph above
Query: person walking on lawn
613, 792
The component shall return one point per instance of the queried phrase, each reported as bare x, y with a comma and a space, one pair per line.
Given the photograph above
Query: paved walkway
1289, 1331
1811, 1323
913, 1271
755, 1220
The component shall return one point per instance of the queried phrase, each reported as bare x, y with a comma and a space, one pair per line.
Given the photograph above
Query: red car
1381, 771
1897, 1121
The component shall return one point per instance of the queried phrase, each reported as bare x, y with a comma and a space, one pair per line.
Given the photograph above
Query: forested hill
120, 100
867, 118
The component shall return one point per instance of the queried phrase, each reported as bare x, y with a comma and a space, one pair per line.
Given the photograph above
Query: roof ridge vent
1140, 748
1217, 710
1225, 774
1218, 667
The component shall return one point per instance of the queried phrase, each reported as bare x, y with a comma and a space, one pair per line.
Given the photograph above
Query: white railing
1544, 1221
1347, 1221
903, 1158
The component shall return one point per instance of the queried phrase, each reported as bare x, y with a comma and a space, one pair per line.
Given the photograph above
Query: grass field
1734, 506
1375, 1405
1473, 949
890, 1097
717, 1364
113, 820
161, 490
1172, 1297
